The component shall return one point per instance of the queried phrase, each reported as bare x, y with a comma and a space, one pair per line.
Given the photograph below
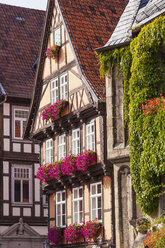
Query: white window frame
61, 146
54, 90
90, 136
75, 141
96, 196
49, 151
29, 167
14, 109
56, 36
64, 86
61, 204
78, 199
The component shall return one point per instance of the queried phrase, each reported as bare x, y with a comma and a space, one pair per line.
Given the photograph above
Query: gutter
4, 95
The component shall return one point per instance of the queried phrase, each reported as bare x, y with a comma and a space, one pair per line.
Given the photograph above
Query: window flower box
53, 52
68, 165
72, 233
55, 235
90, 230
53, 111
85, 159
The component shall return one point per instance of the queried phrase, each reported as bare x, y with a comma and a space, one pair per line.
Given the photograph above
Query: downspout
4, 95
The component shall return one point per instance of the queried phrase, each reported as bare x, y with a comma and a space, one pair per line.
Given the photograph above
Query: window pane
75, 207
24, 126
63, 208
94, 214
80, 192
99, 202
80, 206
75, 194
25, 191
63, 220
99, 188
59, 221
75, 217
99, 214
93, 203
63, 196
17, 129
58, 209
17, 191
93, 189
58, 197
81, 217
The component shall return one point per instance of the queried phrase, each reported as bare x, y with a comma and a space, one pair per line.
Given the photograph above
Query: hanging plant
55, 235
68, 165
53, 52
85, 159
53, 111
143, 69
72, 233
90, 229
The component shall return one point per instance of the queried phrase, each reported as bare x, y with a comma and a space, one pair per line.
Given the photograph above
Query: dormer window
57, 36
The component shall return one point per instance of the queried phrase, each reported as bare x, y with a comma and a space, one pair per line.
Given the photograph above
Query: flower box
53, 52
55, 235
85, 159
53, 111
73, 233
90, 230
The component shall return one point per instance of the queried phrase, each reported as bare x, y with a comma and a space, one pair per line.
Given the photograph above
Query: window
20, 118
54, 90
49, 151
64, 87
78, 205
45, 200
96, 201
57, 36
59, 88
22, 184
61, 209
76, 141
90, 136
61, 146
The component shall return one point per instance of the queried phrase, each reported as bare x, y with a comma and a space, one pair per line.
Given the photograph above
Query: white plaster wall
6, 126
5, 188
5, 209
16, 147
6, 109
36, 148
42, 230
16, 211
36, 166
37, 189
27, 212
6, 144
5, 167
45, 212
28, 148
37, 210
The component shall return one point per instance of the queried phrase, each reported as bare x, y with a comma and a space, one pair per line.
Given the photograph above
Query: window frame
90, 134
96, 195
63, 85
61, 203
54, 36
78, 199
62, 145
19, 108
52, 90
30, 180
47, 149
78, 149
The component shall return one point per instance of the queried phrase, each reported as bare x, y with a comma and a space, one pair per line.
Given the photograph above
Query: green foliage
143, 69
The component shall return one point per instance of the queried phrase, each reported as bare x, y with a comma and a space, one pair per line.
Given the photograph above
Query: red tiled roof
20, 35
90, 24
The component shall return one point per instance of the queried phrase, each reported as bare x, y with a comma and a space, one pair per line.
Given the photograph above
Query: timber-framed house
68, 117
20, 194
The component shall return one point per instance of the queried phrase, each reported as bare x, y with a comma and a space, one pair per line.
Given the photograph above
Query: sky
32, 4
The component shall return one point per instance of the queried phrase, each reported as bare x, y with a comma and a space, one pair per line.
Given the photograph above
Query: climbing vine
142, 65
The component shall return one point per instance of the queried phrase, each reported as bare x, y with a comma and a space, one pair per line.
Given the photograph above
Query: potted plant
68, 165
72, 233
55, 235
85, 159
53, 52
91, 229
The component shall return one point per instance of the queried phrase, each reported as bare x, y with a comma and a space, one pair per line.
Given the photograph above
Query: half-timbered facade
20, 195
73, 76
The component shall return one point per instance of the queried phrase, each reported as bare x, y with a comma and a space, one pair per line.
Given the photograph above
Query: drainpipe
3, 94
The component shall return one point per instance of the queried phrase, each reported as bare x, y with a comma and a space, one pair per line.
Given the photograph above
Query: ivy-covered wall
142, 65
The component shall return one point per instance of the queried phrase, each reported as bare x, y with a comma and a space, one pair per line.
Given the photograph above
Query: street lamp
46, 244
